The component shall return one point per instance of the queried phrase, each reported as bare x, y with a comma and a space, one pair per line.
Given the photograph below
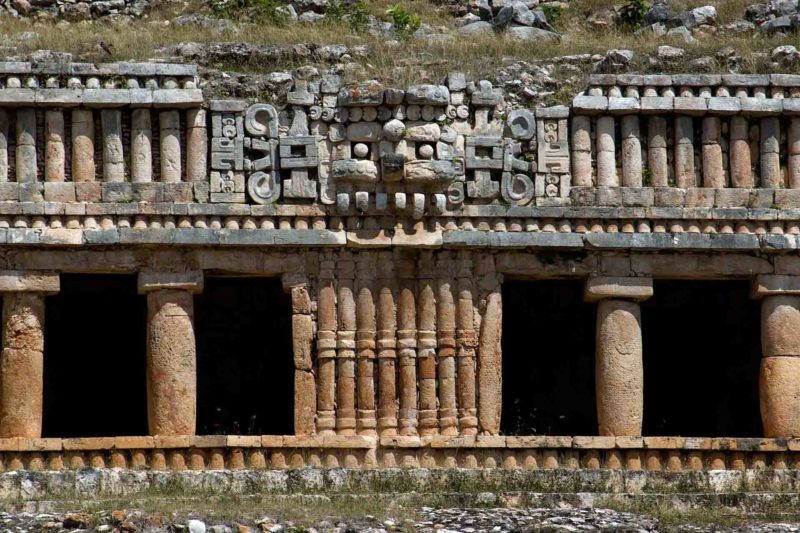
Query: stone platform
211, 453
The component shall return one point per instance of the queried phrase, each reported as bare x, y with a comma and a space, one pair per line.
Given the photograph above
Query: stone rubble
430, 520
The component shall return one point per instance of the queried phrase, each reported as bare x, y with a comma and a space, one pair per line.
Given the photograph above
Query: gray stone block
690, 105
101, 236
732, 198
623, 105
178, 192
31, 192
9, 191
761, 198
760, 107
699, 197
277, 237
696, 80
55, 191
144, 192
669, 197
88, 191
771, 242
106, 97
23, 236
176, 69
609, 196
17, 97
589, 105
196, 236
146, 236
745, 80
177, 98
117, 192
724, 105
637, 196
654, 105
201, 191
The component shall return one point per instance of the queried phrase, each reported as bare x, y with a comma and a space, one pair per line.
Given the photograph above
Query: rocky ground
424, 520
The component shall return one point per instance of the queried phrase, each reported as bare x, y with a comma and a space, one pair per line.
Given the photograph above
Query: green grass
412, 60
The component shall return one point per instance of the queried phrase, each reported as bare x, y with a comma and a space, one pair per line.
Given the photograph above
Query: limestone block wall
391, 216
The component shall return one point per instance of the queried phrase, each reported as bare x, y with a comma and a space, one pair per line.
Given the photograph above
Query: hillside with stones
539, 51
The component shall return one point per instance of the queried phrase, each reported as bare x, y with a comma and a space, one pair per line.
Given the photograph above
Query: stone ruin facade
392, 218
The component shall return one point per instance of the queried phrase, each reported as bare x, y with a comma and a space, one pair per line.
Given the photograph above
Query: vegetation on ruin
409, 60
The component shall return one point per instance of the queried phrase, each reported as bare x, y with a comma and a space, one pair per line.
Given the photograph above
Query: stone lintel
153, 280
29, 281
623, 288
775, 285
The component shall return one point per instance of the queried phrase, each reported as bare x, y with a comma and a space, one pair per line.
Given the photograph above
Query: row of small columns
619, 361
712, 173
171, 352
83, 145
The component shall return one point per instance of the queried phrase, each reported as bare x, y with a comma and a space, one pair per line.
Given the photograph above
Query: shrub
354, 14
405, 23
632, 13
553, 13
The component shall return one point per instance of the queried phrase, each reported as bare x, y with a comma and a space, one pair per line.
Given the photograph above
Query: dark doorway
95, 358
548, 359
245, 368
702, 351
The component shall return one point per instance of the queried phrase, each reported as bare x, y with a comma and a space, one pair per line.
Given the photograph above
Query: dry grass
416, 60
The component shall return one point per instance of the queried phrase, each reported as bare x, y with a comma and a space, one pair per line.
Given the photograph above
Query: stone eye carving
261, 120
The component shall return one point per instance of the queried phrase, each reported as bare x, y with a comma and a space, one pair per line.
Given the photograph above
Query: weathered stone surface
83, 168
21, 365
619, 371
598, 288
489, 366
171, 363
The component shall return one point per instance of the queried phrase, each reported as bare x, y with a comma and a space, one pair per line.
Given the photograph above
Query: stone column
196, 145
619, 373
426, 346
54, 158
141, 146
305, 387
26, 145
113, 159
581, 151
446, 343
466, 344
171, 351
407, 344
490, 354
685, 176
387, 346
169, 123
713, 171
3, 145
657, 151
779, 382
366, 422
21, 361
793, 177
606, 153
346, 345
326, 347
631, 152
770, 153
741, 162
83, 168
